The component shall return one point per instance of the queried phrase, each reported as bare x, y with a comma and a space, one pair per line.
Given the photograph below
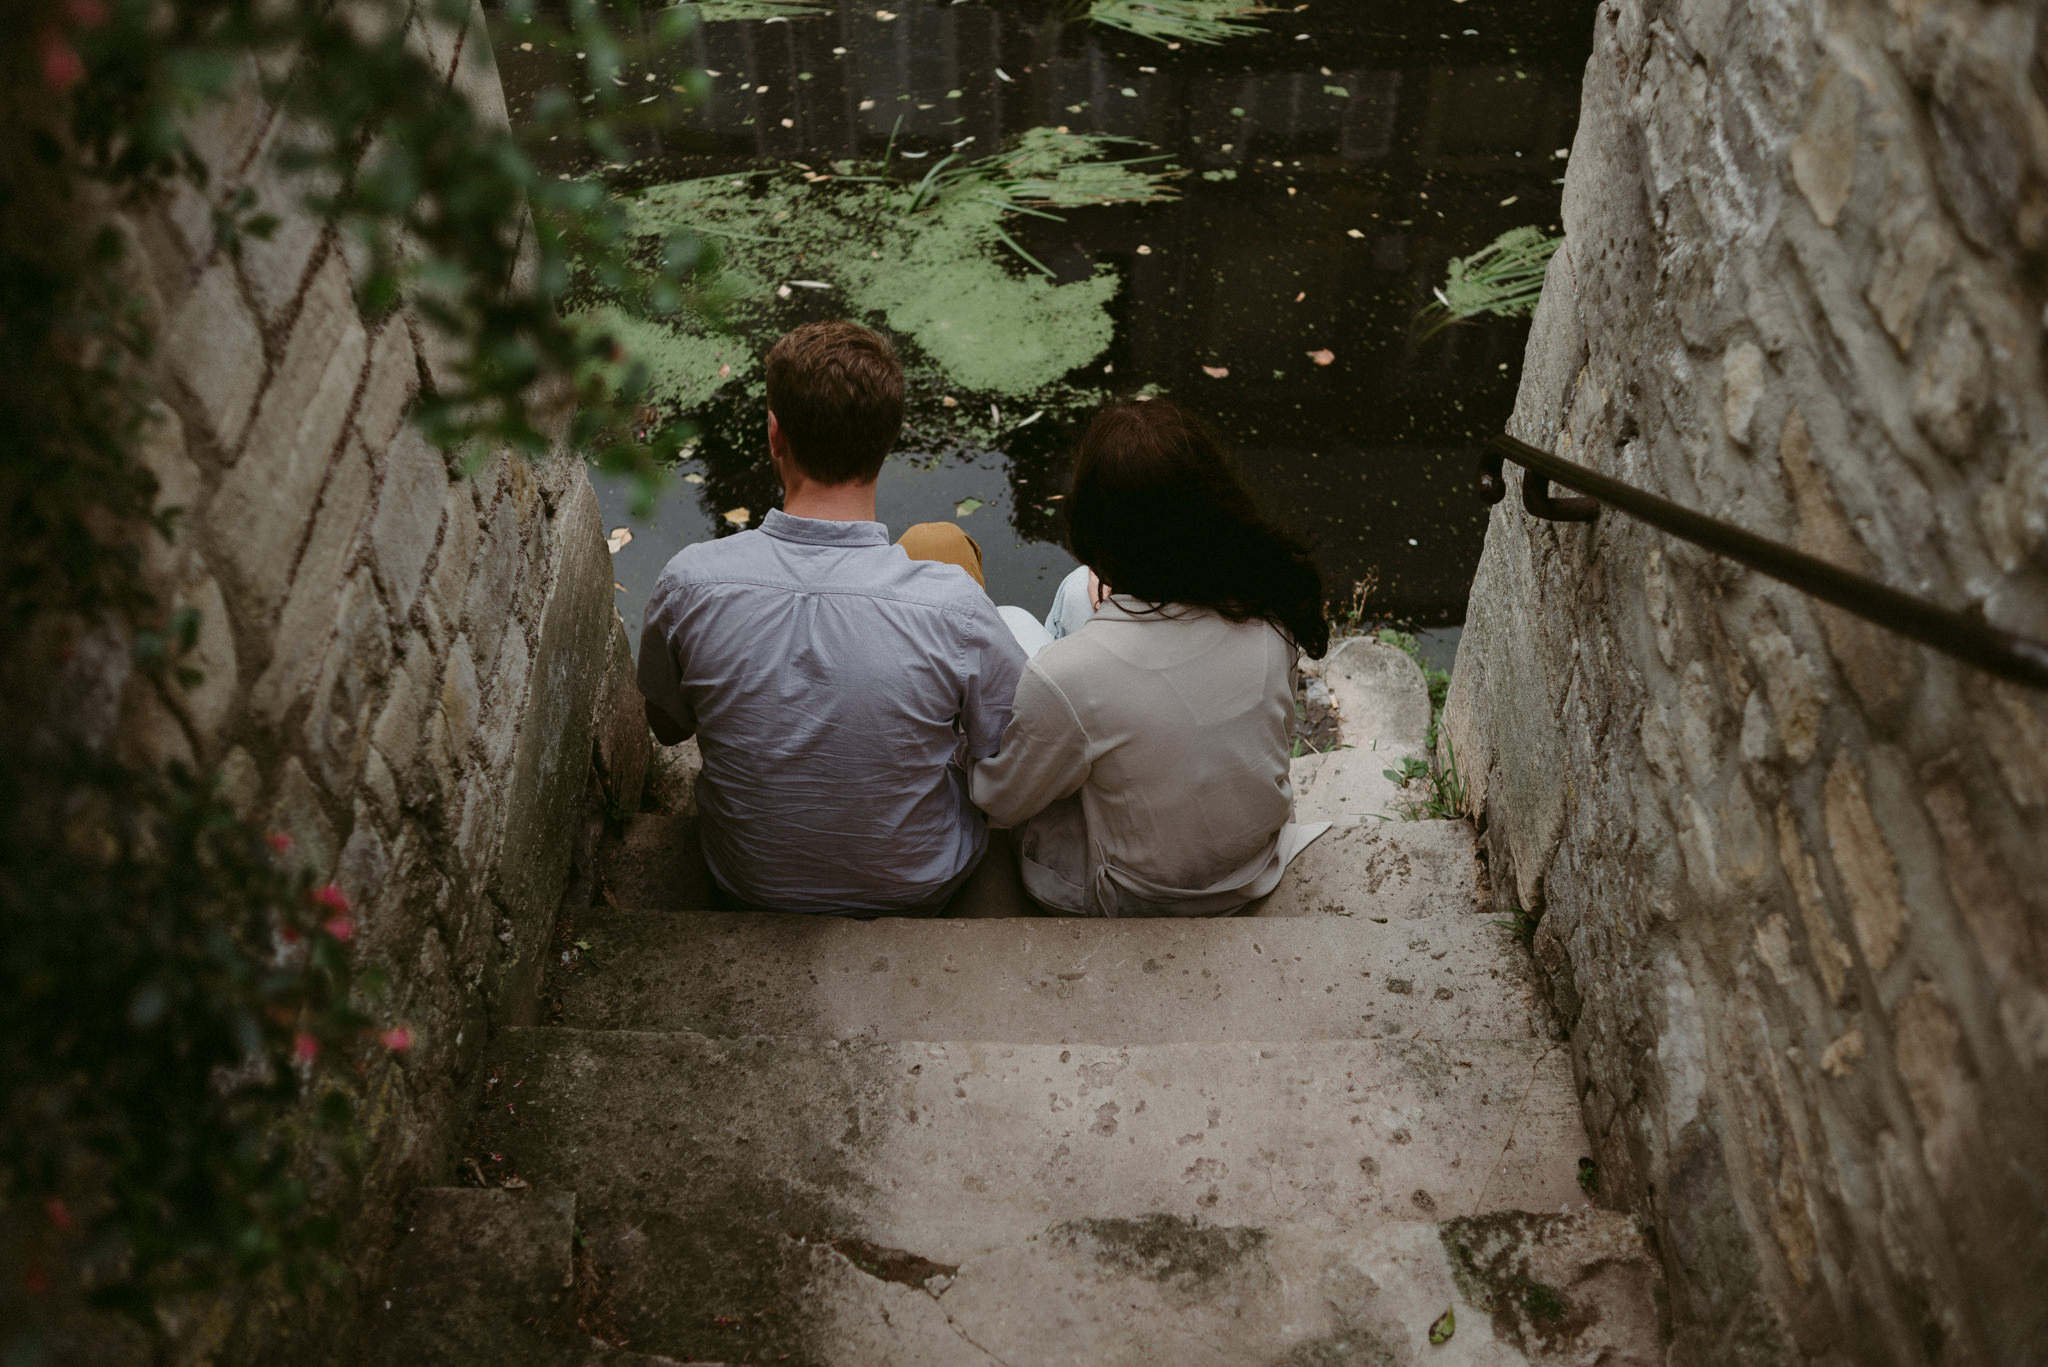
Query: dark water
1322, 223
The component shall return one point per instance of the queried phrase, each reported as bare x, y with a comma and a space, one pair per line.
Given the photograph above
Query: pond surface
1324, 169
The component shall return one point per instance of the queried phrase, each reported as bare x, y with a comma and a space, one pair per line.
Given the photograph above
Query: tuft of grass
1441, 794
1589, 1177
1178, 21
1522, 922
1503, 278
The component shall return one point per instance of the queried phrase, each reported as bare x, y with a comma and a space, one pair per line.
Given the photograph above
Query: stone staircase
1296, 1136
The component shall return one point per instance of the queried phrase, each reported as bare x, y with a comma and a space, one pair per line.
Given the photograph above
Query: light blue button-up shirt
836, 688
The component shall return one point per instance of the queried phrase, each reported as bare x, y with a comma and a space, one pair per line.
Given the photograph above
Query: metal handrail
1967, 637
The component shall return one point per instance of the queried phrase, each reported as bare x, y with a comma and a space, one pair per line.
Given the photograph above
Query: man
837, 686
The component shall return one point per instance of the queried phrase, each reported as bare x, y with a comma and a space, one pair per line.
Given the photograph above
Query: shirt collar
812, 531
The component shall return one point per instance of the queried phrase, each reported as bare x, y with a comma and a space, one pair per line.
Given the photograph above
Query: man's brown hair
836, 390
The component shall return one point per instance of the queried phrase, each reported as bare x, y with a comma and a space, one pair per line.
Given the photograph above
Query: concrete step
1384, 871
950, 1150
489, 1275
1371, 870
1576, 1288
1052, 981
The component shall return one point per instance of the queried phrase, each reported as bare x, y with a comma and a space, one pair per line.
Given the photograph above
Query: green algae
930, 260
1178, 21
726, 11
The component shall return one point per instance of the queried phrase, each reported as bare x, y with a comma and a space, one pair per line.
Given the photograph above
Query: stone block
258, 517
1742, 387
407, 523
278, 268
487, 607
358, 656
1865, 864
552, 763
297, 810
474, 73
1917, 247
1824, 154
1951, 389
400, 732
300, 640
215, 350
241, 782
393, 382
624, 743
209, 704
461, 535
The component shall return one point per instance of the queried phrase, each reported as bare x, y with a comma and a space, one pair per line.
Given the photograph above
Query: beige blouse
1145, 765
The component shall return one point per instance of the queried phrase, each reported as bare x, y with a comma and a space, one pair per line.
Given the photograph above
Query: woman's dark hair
1157, 514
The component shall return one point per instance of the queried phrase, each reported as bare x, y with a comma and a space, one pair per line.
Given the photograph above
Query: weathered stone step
949, 1150
489, 1276
1376, 870
1392, 870
1047, 980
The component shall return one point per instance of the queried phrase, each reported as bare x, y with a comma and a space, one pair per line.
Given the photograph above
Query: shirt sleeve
1044, 756
994, 663
660, 671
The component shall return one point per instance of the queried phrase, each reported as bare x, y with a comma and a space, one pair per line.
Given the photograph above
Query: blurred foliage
182, 1027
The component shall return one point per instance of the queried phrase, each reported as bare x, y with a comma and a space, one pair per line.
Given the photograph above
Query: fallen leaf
966, 506
1144, 251
619, 538
811, 284
1445, 1326
1509, 200
782, 292
1216, 372
617, 587
726, 370
1353, 232
516, 1184
693, 478
884, 15
739, 517
1299, 297
950, 402
1323, 357
1339, 91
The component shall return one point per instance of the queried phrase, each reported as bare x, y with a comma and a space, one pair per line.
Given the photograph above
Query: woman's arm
1044, 755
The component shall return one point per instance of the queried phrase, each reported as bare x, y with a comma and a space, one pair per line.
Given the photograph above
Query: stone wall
1791, 867
404, 667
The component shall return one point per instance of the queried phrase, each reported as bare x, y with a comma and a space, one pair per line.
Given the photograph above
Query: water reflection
1336, 162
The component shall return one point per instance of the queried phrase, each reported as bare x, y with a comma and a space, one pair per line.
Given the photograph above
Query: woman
1145, 765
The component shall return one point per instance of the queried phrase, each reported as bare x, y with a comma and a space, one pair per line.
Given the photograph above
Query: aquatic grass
728, 11
1207, 22
1503, 278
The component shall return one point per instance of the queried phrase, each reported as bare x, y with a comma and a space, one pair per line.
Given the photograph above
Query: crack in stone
1514, 1128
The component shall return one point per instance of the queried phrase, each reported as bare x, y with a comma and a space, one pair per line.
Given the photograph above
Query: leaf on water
619, 538
811, 284
1339, 91
618, 586
739, 517
1323, 356
1445, 1326
967, 505
1035, 416
693, 478
1216, 372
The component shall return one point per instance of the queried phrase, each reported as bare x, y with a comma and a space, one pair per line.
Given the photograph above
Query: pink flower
280, 841
341, 928
62, 67
59, 1213
305, 1048
86, 13
333, 898
397, 1041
